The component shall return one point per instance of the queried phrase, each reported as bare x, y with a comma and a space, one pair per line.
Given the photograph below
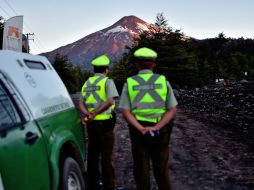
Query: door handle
31, 137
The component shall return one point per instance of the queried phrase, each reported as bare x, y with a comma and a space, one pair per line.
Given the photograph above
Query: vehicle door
24, 161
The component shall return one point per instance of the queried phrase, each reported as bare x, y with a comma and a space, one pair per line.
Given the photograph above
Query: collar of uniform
99, 74
145, 71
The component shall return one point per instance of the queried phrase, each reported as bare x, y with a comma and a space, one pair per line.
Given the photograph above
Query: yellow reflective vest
148, 93
94, 95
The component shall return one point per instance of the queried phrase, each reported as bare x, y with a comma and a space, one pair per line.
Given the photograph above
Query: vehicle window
9, 116
35, 64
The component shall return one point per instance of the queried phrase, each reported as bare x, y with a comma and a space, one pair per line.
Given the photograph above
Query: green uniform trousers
100, 147
144, 149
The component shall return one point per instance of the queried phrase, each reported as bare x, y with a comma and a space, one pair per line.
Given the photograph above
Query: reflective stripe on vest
94, 94
147, 93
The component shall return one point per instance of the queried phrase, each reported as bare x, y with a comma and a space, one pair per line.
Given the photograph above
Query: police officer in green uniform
97, 104
148, 105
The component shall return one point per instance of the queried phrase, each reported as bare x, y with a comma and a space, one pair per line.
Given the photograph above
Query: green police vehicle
42, 143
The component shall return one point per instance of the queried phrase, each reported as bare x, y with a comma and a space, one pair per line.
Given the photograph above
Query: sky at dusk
57, 23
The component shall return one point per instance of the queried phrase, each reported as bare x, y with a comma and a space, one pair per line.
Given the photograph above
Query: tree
175, 61
216, 54
123, 69
72, 76
161, 21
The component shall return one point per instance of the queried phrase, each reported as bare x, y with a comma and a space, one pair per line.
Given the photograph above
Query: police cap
145, 53
102, 60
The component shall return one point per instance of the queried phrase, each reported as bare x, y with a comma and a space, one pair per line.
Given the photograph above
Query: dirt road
202, 158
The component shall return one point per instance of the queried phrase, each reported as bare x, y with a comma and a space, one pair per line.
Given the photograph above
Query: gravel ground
201, 158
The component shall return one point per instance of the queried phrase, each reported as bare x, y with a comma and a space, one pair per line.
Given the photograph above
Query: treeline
190, 62
72, 76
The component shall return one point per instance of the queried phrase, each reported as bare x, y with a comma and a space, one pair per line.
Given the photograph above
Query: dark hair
144, 64
100, 69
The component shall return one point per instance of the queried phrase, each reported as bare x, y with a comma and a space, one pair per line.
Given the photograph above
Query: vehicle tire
71, 176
